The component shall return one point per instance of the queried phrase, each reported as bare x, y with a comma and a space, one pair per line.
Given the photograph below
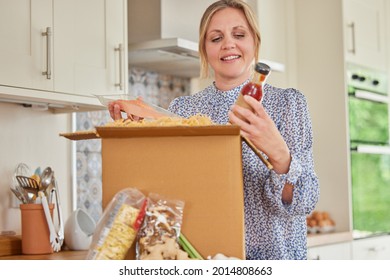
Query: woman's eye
239, 35
216, 39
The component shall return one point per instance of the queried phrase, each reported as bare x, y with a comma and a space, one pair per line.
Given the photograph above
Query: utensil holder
35, 231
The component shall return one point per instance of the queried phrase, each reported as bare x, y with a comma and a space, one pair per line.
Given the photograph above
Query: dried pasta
196, 120
115, 241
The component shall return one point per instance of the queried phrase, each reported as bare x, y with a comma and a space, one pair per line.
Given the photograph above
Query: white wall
320, 56
32, 137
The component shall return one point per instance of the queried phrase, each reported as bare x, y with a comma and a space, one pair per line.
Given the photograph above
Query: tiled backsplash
153, 87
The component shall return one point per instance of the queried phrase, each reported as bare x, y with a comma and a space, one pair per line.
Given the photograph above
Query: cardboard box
201, 166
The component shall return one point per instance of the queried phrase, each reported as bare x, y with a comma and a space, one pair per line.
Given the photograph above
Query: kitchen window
368, 104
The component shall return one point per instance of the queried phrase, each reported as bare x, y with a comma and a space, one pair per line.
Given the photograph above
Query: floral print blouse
273, 230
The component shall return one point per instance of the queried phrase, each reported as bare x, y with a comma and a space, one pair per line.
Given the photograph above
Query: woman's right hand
118, 106
115, 110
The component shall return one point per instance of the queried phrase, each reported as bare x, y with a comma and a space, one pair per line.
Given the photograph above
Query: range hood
173, 56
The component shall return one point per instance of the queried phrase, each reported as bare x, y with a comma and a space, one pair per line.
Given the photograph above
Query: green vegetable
186, 245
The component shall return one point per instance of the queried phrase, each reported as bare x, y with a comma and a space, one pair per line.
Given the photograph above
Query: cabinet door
365, 32
116, 28
339, 251
87, 40
374, 248
24, 50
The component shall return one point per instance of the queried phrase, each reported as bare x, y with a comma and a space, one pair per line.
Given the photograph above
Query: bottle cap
262, 68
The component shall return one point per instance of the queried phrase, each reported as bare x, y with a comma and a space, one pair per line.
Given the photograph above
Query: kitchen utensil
38, 171
22, 169
59, 210
29, 184
19, 195
54, 240
46, 180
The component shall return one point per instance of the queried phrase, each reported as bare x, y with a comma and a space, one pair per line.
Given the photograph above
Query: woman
277, 201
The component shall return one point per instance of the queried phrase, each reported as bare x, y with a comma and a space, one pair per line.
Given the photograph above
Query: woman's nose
228, 44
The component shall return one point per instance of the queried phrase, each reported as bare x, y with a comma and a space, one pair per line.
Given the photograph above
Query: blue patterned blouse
273, 230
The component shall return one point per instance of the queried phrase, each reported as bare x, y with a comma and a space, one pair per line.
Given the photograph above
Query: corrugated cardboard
199, 165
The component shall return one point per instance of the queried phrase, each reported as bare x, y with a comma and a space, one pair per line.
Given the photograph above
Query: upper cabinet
26, 46
90, 46
365, 35
63, 51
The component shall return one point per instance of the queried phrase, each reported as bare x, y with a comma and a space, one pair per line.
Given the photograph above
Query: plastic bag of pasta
118, 226
158, 235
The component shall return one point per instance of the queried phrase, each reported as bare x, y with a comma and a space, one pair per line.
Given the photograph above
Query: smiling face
230, 47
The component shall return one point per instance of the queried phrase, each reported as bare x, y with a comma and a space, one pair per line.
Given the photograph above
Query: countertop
328, 238
312, 241
62, 255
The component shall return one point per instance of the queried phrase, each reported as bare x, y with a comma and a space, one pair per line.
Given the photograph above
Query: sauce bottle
255, 89
255, 86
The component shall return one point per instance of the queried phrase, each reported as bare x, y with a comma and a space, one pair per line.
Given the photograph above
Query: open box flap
81, 135
160, 131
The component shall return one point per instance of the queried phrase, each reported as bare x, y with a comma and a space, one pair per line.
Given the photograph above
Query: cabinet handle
48, 53
119, 49
376, 249
352, 26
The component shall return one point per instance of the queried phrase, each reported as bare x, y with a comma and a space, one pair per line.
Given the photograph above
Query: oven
368, 107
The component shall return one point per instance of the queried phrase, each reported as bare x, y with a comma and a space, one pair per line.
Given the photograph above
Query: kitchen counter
328, 238
312, 241
62, 255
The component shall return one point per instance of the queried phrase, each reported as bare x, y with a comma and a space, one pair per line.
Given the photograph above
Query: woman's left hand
258, 127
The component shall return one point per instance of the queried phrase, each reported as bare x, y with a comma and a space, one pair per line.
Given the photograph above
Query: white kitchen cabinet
84, 54
371, 248
90, 46
365, 30
338, 251
24, 50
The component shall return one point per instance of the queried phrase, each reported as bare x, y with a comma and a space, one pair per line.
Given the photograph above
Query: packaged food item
118, 227
158, 236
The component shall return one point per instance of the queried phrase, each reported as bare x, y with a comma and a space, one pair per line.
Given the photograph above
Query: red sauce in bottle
253, 89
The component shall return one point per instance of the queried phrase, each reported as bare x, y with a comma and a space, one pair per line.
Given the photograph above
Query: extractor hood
173, 56
162, 37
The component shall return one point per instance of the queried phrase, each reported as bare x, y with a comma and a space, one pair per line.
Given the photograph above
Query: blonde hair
205, 22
